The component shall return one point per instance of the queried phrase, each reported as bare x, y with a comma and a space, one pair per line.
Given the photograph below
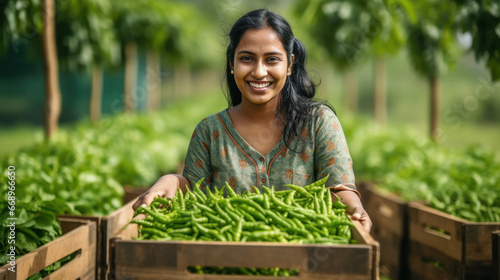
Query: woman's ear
290, 66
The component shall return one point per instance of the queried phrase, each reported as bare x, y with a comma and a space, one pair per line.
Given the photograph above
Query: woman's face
260, 66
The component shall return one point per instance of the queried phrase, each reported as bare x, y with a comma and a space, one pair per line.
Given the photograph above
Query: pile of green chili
301, 215
297, 215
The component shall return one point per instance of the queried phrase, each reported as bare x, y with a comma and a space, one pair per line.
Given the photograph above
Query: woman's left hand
355, 207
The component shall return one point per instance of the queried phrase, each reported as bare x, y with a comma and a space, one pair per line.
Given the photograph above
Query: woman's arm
354, 206
166, 187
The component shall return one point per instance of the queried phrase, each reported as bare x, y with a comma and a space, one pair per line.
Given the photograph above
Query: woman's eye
273, 59
245, 58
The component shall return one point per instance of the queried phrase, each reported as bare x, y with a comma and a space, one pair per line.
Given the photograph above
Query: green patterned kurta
219, 154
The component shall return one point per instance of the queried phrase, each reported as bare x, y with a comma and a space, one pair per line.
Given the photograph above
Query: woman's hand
355, 207
165, 187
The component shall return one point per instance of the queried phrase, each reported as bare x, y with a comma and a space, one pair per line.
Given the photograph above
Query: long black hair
297, 103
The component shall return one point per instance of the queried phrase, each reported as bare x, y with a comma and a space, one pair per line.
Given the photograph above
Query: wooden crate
107, 227
390, 228
78, 236
495, 244
463, 248
145, 259
111, 225
132, 193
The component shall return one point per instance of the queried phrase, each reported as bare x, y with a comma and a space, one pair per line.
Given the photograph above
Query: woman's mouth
259, 85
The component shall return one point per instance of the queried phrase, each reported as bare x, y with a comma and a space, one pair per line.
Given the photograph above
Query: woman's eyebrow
252, 53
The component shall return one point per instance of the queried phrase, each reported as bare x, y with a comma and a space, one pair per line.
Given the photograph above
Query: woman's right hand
165, 187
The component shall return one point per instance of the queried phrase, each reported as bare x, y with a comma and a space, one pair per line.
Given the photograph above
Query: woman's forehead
263, 40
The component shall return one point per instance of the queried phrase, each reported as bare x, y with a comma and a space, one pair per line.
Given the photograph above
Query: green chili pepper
142, 223
237, 232
155, 232
266, 203
204, 208
300, 190
230, 190
338, 204
222, 214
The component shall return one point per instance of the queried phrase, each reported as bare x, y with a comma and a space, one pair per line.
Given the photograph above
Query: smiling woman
274, 133
260, 66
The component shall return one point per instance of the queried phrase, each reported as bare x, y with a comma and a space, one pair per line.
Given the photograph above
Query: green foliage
460, 183
352, 30
432, 44
178, 30
81, 171
21, 21
481, 18
85, 35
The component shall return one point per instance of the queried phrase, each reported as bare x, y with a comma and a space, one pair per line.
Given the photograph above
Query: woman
273, 132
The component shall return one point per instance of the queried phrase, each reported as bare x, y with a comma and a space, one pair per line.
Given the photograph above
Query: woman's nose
260, 70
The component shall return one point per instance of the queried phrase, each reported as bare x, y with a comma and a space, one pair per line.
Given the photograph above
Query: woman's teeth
259, 85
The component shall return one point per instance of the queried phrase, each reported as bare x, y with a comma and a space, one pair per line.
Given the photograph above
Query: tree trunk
182, 81
153, 80
52, 91
131, 66
380, 90
96, 94
435, 104
351, 90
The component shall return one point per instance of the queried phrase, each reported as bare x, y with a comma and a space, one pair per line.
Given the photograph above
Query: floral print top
218, 154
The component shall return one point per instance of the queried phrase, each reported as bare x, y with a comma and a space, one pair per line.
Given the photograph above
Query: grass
18, 137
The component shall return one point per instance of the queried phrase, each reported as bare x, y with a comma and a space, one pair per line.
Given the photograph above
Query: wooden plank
427, 263
170, 259
111, 225
73, 221
390, 228
81, 240
495, 248
426, 225
478, 243
387, 210
132, 193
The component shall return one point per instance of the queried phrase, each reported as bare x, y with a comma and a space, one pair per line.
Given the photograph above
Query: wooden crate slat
388, 211
422, 266
72, 270
495, 251
389, 216
110, 226
422, 217
81, 239
477, 243
150, 259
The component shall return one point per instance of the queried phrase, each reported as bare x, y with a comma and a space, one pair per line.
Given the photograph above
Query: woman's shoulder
213, 120
325, 113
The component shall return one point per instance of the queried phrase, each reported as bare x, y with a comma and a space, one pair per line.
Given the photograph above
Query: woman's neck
256, 113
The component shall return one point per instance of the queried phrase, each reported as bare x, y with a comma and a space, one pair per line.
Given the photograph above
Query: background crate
111, 225
390, 228
78, 236
145, 259
495, 244
107, 227
463, 249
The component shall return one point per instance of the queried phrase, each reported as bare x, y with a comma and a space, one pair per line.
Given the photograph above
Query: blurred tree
87, 42
24, 19
166, 29
481, 19
388, 19
336, 29
433, 48
353, 30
